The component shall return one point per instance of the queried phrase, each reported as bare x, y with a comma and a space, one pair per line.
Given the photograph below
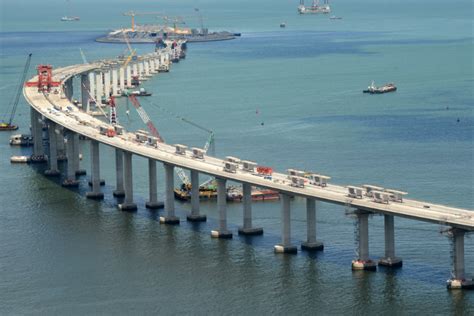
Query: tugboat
388, 87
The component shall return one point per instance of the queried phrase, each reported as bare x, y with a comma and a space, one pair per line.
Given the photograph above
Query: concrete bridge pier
222, 231
115, 82
85, 88
195, 216
70, 180
107, 85
119, 189
129, 76
458, 279
128, 204
99, 90
247, 228
153, 199
135, 71
152, 66
92, 90
53, 151
363, 261
95, 172
146, 68
60, 143
77, 161
311, 244
390, 260
68, 88
122, 78
285, 246
170, 217
37, 133
141, 71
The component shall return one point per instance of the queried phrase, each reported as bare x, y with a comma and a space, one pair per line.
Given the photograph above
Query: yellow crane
132, 14
133, 52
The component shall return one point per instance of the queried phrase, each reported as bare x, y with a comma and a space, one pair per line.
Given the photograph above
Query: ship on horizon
315, 7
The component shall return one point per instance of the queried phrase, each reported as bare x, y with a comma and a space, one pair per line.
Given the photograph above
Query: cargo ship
234, 194
315, 7
372, 89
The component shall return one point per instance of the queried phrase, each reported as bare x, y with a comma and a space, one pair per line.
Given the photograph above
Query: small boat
19, 159
138, 93
8, 127
283, 25
70, 18
333, 17
372, 89
21, 140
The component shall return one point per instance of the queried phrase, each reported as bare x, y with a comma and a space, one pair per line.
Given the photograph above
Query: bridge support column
311, 244
122, 78
146, 66
152, 66
37, 133
128, 204
53, 152
170, 217
92, 92
99, 90
60, 143
70, 180
390, 260
195, 216
107, 85
247, 228
95, 172
153, 202
362, 234
458, 280
140, 71
114, 82
129, 76
85, 88
77, 161
68, 88
135, 69
285, 246
119, 190
222, 231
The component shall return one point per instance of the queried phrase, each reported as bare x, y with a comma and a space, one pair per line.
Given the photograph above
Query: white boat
70, 18
315, 7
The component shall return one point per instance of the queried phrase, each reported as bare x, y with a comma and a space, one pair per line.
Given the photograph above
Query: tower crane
8, 126
132, 14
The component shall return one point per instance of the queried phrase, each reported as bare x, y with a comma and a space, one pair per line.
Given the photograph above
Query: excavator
8, 125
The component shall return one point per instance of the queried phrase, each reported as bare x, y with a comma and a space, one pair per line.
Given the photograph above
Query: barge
388, 87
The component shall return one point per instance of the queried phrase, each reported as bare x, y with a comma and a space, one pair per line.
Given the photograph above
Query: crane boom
20, 87
151, 127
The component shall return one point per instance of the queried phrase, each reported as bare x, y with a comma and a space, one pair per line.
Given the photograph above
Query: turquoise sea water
63, 254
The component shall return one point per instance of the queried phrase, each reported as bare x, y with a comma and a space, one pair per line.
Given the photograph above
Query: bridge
54, 107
